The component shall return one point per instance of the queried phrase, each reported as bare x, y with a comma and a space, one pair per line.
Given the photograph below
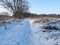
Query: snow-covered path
19, 34
35, 32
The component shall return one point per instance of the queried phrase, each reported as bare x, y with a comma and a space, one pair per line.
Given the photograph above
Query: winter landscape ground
30, 32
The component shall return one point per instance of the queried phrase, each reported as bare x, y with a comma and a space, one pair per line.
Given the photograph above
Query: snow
43, 36
17, 33
29, 32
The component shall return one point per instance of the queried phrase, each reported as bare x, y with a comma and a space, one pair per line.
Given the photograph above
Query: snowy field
43, 34
30, 32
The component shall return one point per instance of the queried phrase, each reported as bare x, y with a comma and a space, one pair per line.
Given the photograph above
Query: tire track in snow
34, 35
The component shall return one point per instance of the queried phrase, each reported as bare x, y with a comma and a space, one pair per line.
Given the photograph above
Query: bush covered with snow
52, 26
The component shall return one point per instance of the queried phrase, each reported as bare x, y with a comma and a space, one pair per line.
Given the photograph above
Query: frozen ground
46, 36
30, 32
16, 32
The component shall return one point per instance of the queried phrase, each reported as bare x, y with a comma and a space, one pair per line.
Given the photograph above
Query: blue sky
43, 6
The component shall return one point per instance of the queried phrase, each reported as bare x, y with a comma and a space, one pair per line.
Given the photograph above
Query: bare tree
16, 6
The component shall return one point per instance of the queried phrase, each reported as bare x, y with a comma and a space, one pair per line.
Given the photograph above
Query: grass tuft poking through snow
46, 32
